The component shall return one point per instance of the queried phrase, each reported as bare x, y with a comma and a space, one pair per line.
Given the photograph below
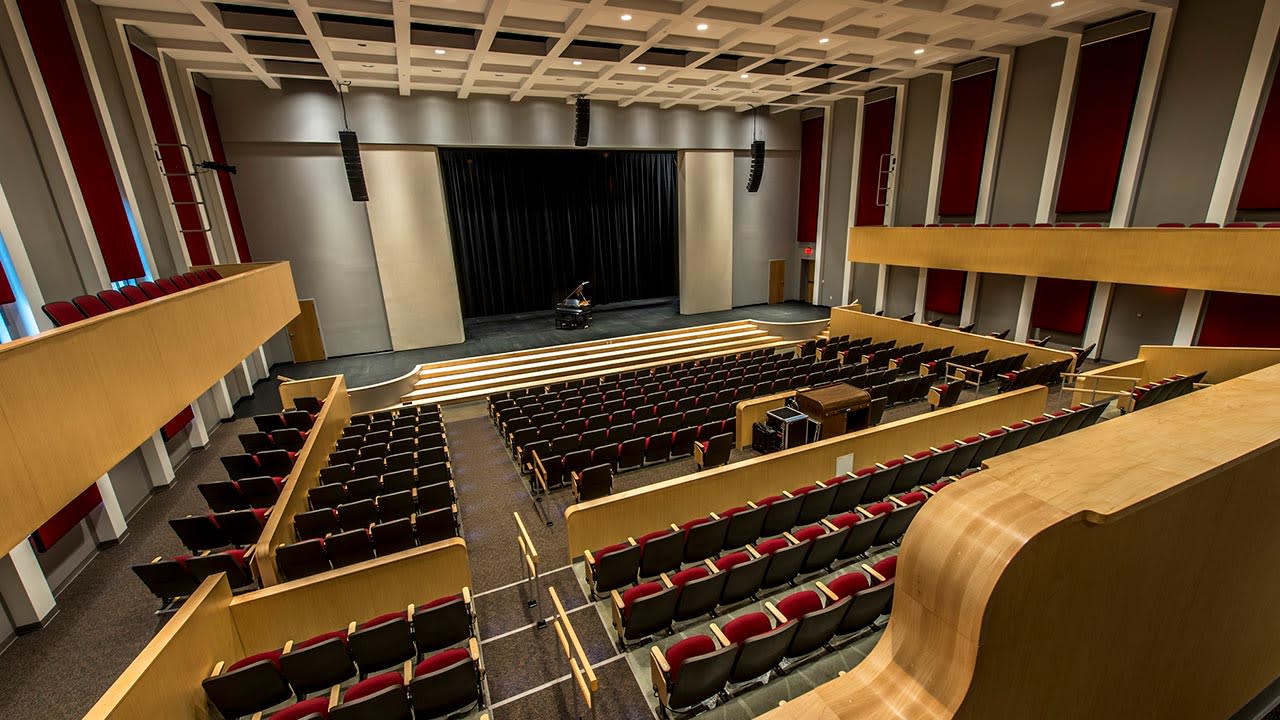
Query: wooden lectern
831, 404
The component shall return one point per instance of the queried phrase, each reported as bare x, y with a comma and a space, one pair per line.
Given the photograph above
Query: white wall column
882, 287
1099, 312
1022, 330
859, 118
895, 148
199, 427
156, 456
1058, 135
222, 400
107, 520
1189, 321
922, 284
995, 131
26, 592
1143, 113
820, 242
969, 305
939, 150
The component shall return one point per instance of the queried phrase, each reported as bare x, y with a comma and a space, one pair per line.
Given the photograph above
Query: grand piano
575, 310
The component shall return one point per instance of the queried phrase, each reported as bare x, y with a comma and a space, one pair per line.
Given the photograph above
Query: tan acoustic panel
76, 400
1226, 259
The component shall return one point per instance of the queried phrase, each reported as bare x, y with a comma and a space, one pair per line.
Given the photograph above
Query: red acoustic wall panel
967, 124
6, 290
877, 141
59, 65
944, 291
1261, 190
810, 179
1105, 93
219, 155
56, 527
172, 158
1061, 305
179, 421
1239, 320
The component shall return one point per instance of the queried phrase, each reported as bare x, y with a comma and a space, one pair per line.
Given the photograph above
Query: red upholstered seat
804, 490
1171, 225
442, 660
769, 547
734, 511
341, 634
868, 471
835, 480
797, 605
848, 519
887, 567
237, 555
741, 629
637, 592
913, 497
62, 313
694, 573
941, 484
608, 549
381, 620
947, 447
1017, 426
972, 439
731, 560
302, 709
372, 685
694, 523
651, 536
809, 533
688, 648
879, 508
439, 601
272, 655
770, 500
850, 584
893, 463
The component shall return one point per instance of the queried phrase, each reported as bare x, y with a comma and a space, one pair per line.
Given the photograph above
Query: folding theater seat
178, 281
642, 611
153, 290
364, 488
900, 517
380, 697
381, 642
222, 495
447, 683
761, 645
367, 467
657, 447
436, 496
935, 466
963, 456
863, 529
443, 622
883, 480
704, 537
816, 502
241, 466
783, 510
289, 439
255, 442
817, 621
348, 548
746, 525
300, 559
436, 525
269, 422
261, 491
660, 551
611, 567
276, 463
133, 294
884, 570
242, 527
62, 313
344, 457
867, 600
690, 672
431, 473
315, 523
392, 537
327, 496
396, 506
297, 419
358, 514
248, 685
698, 590
231, 562
168, 580
785, 559
317, 663
912, 470
631, 453
114, 299
823, 545
594, 482
199, 532
744, 572
849, 490
90, 305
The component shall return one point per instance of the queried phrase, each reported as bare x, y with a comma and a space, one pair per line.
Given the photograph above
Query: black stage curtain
529, 225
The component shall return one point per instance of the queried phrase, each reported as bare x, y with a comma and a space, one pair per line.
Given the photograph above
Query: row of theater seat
1158, 391
216, 530
340, 483
1049, 373
1200, 225
725, 662
362, 510
432, 649
86, 306
309, 557
173, 579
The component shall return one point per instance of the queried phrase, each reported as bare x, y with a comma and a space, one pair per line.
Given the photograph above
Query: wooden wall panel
313, 456
106, 384
609, 520
749, 412
1232, 260
164, 680
859, 324
1222, 363
1095, 575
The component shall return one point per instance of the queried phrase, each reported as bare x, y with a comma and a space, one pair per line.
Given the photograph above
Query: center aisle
527, 675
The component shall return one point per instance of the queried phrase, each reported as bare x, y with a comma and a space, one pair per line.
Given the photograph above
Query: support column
1189, 321
1099, 312
939, 149
156, 457
922, 284
1058, 135
1140, 126
25, 590
969, 305
107, 520
199, 427
882, 289
1023, 328
258, 361
222, 400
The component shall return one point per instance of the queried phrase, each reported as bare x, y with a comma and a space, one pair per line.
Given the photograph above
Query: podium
831, 406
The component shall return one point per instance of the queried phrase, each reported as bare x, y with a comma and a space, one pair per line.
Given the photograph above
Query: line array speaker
582, 122
355, 170
757, 166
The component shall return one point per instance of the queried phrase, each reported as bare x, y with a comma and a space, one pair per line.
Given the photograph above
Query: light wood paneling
305, 339
1222, 363
1095, 575
1227, 259
857, 324
749, 412
164, 680
78, 399
597, 523
306, 468
777, 281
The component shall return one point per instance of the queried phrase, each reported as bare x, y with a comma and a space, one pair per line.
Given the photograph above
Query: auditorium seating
63, 313
423, 661
1049, 373
173, 579
1158, 391
234, 528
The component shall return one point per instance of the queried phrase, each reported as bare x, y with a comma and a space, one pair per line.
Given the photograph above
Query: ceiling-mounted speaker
355, 170
757, 166
582, 122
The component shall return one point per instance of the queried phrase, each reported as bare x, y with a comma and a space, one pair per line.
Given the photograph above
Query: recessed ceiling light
642, 68
577, 62
919, 51
823, 41
439, 51
702, 27
626, 18
744, 76
1058, 3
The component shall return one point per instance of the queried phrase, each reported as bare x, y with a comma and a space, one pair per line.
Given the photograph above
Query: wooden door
777, 281
806, 280
304, 334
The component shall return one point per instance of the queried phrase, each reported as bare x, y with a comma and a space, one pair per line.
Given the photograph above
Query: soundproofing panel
355, 170
810, 179
1240, 320
877, 142
1061, 305
967, 124
944, 291
1261, 189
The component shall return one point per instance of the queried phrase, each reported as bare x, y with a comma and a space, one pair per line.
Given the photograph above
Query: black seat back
349, 547
762, 652
247, 689
441, 626
705, 540
317, 667
701, 596
392, 537
701, 678
817, 628
446, 690
382, 645
650, 614
745, 527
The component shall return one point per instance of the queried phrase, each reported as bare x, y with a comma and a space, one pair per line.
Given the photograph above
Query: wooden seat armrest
616, 598
865, 513
591, 559
466, 595
217, 669
908, 458
575, 477
787, 495
351, 628
631, 541
714, 516
256, 716
850, 475
822, 588
666, 580
711, 566
827, 524
752, 552
288, 646
407, 671
928, 491
790, 538
659, 659
820, 484
474, 648
897, 502
156, 559
718, 634
934, 449
334, 693
872, 572
675, 528
881, 466
775, 612
752, 505
409, 613
454, 509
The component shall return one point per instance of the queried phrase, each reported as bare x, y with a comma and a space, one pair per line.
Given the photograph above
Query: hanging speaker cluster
757, 166
582, 122
355, 170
